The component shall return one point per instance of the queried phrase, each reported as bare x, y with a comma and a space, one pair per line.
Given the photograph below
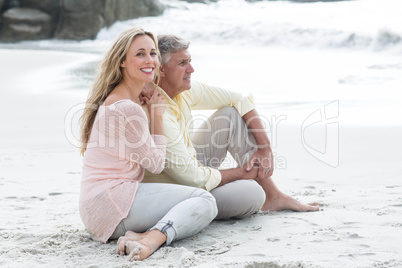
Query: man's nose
190, 68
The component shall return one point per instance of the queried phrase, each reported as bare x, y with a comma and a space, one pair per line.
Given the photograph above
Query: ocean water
294, 58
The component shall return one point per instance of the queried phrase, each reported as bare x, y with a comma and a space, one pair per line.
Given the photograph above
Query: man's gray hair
168, 44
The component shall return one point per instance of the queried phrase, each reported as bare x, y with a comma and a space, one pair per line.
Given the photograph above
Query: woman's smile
148, 70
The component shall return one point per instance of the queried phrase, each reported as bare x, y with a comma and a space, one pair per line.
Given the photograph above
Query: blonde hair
108, 76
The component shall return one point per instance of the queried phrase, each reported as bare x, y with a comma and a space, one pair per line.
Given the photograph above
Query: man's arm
263, 157
240, 173
181, 162
208, 97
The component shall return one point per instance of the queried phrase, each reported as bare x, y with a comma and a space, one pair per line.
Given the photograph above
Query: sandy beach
359, 224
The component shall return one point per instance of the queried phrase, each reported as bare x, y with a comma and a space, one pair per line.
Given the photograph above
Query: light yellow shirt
182, 166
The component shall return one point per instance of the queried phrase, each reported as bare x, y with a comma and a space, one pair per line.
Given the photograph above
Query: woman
118, 145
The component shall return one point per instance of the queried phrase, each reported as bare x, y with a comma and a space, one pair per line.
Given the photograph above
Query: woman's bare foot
142, 249
136, 236
285, 202
129, 236
137, 251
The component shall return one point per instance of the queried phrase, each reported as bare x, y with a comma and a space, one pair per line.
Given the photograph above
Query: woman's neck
133, 89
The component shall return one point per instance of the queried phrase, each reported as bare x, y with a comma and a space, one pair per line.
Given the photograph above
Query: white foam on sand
358, 226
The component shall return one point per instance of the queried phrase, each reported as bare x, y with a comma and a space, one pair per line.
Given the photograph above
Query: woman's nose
148, 59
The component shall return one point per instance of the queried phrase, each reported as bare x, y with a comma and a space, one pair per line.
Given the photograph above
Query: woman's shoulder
126, 108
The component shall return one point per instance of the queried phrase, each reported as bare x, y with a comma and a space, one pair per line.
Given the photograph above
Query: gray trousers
225, 131
176, 210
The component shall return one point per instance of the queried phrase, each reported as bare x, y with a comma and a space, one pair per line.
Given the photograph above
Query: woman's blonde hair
108, 76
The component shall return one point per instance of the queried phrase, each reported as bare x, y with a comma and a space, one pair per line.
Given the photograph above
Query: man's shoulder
195, 90
195, 84
199, 87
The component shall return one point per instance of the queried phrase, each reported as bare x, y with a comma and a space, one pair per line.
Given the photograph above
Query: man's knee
238, 199
229, 111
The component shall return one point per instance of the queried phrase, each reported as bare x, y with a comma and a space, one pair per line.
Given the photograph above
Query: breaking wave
362, 24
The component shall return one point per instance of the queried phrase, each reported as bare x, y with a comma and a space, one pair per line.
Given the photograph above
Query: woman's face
141, 60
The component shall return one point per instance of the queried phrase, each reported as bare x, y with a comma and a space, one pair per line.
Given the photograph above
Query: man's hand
239, 173
263, 158
249, 173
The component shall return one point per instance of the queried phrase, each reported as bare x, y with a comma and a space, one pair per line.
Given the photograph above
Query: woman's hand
147, 92
156, 104
156, 107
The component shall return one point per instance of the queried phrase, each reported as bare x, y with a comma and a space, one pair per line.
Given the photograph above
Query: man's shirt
182, 166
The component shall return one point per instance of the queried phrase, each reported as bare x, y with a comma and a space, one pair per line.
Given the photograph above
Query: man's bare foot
285, 202
129, 236
137, 251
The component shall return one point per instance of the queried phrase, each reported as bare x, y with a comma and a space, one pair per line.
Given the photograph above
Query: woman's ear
123, 64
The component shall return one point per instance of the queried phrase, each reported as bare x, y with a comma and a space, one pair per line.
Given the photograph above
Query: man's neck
171, 93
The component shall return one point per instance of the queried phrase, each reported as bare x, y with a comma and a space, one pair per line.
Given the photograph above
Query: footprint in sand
215, 248
257, 255
54, 194
73, 173
354, 236
393, 186
273, 239
310, 187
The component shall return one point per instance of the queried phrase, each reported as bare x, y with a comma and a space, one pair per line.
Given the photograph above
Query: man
235, 128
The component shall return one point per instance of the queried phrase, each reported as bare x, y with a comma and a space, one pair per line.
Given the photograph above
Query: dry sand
359, 225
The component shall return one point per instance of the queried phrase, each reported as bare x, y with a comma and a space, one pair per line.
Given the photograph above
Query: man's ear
162, 71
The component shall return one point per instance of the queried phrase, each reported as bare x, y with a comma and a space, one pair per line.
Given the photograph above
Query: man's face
176, 76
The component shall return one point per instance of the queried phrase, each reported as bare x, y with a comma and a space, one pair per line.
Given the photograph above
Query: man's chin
187, 84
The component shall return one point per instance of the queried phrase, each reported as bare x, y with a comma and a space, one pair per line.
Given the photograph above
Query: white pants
227, 132
176, 210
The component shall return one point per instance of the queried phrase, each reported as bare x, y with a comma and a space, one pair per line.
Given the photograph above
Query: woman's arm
136, 144
156, 107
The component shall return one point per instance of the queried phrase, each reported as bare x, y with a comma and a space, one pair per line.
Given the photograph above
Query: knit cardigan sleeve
135, 143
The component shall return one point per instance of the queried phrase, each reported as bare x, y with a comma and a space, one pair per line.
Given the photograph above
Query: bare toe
313, 207
129, 236
120, 245
285, 202
134, 250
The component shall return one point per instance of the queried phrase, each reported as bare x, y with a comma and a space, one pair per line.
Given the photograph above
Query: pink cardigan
119, 149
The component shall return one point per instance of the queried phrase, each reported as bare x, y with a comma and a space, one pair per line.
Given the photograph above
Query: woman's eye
140, 54
154, 53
